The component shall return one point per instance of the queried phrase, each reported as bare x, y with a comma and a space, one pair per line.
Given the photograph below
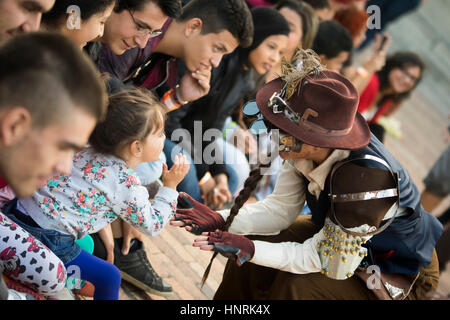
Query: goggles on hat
279, 105
260, 125
286, 142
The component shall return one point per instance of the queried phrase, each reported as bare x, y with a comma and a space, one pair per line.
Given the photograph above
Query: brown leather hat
326, 105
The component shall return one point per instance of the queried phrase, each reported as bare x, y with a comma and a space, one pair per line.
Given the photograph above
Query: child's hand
171, 178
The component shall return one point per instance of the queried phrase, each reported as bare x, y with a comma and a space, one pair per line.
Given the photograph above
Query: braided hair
249, 186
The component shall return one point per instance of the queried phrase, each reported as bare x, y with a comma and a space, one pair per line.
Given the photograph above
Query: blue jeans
62, 245
190, 181
238, 168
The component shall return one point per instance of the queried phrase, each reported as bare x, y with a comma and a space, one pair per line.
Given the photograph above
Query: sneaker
136, 269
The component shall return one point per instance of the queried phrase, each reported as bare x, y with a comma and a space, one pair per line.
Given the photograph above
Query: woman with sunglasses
388, 88
366, 212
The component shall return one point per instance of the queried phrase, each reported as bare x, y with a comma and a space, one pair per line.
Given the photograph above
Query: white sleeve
275, 213
304, 257
292, 257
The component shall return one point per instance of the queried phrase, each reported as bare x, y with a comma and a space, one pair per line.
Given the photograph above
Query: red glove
201, 218
232, 246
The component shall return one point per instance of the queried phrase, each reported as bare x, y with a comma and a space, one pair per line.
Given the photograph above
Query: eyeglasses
144, 31
408, 75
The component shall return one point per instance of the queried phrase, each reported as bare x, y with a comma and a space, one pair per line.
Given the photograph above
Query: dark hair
88, 8
250, 185
219, 15
49, 75
132, 115
171, 8
310, 21
401, 60
318, 4
332, 38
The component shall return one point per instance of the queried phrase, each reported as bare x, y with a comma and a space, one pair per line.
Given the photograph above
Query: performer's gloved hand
196, 217
232, 246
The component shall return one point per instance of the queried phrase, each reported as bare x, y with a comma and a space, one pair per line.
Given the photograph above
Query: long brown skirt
254, 282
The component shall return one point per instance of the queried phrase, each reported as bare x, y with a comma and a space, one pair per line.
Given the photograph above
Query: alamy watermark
374, 20
374, 281
74, 19
73, 271
209, 147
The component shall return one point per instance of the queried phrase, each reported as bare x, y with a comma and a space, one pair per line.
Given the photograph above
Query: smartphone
383, 41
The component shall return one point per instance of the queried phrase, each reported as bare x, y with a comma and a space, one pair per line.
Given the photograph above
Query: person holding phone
355, 21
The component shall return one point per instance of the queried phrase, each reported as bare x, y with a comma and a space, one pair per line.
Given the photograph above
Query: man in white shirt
316, 113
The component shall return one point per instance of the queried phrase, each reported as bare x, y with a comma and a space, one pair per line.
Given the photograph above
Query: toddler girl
104, 186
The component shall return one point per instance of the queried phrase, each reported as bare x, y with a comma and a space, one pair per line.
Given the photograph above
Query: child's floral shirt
99, 189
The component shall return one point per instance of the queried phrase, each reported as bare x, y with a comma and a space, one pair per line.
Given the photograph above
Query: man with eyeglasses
134, 22
198, 38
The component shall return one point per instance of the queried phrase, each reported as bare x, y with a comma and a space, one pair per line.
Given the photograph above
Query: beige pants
254, 282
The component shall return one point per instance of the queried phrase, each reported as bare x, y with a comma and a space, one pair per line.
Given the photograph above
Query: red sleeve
369, 94
383, 109
2, 183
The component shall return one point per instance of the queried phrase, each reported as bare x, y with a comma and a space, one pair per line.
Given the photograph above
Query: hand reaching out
233, 246
171, 178
197, 219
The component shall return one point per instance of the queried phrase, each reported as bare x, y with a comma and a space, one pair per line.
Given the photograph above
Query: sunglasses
259, 125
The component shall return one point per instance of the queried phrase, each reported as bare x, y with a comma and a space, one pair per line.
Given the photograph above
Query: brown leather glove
232, 246
200, 217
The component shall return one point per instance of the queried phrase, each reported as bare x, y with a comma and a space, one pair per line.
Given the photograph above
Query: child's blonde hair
132, 115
